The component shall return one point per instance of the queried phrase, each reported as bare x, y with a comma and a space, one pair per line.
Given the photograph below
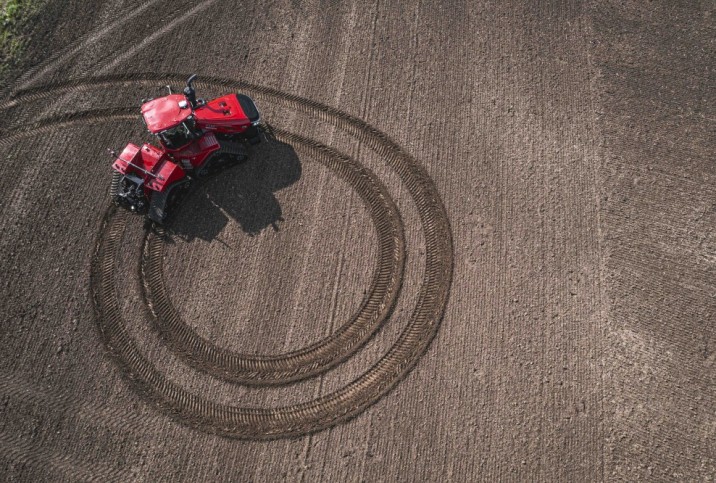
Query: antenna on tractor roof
189, 92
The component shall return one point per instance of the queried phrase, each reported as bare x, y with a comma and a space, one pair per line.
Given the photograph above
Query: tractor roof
165, 113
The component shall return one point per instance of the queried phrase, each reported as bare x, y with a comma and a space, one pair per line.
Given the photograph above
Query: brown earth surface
482, 247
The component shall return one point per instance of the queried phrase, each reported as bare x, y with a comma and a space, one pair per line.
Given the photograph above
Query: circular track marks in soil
310, 416
321, 356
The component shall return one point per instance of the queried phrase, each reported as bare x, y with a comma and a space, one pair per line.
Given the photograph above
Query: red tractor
197, 137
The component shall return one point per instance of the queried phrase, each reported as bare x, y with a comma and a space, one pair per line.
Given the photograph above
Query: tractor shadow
243, 193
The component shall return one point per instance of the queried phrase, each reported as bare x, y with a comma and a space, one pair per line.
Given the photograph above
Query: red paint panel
222, 114
198, 151
167, 174
165, 113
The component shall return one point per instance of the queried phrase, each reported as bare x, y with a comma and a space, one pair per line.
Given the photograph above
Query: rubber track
323, 412
321, 356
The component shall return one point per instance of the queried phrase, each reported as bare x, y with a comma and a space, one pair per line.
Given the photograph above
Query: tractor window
177, 137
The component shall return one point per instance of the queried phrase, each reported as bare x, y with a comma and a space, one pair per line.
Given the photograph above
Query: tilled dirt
480, 246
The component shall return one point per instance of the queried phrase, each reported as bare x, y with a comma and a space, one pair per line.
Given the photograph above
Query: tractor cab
171, 119
180, 135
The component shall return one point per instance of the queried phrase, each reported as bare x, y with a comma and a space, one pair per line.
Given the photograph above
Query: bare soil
481, 247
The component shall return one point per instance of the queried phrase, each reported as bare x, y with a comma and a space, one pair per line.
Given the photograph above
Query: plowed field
479, 245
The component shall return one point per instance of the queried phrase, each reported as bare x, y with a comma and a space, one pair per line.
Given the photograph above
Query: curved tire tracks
327, 353
310, 416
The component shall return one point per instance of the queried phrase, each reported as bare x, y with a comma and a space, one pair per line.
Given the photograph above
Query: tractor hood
165, 112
